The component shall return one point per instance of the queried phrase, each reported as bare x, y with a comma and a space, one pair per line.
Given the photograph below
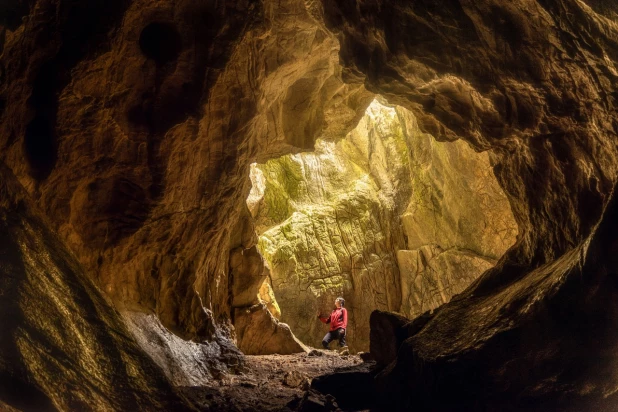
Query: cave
185, 185
386, 217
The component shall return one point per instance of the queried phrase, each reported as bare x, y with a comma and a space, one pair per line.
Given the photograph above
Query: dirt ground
269, 382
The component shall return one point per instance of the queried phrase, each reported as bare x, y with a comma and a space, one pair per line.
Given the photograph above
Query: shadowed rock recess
131, 268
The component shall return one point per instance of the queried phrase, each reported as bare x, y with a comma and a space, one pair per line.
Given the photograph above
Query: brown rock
54, 319
387, 333
259, 333
294, 379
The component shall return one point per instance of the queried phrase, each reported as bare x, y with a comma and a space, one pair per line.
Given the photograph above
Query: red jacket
338, 319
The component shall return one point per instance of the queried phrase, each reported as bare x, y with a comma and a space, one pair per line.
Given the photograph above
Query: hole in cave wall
160, 42
386, 217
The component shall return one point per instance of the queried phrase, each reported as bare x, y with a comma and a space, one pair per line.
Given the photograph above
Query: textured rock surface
533, 81
259, 333
138, 156
184, 363
335, 222
62, 346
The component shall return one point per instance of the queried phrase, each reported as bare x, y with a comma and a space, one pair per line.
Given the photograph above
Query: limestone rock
387, 334
435, 275
314, 401
267, 296
247, 273
184, 363
132, 124
513, 78
62, 346
294, 379
259, 333
352, 387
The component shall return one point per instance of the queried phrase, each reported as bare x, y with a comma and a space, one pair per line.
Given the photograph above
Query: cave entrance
386, 217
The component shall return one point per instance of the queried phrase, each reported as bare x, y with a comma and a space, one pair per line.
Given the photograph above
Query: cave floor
268, 382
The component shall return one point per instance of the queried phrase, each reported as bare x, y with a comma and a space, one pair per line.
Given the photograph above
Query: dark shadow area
12, 12
82, 30
40, 144
353, 387
608, 8
160, 42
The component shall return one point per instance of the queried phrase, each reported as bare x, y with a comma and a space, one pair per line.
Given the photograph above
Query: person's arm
345, 319
323, 319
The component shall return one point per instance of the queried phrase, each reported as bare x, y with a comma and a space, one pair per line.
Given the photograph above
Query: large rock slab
259, 333
62, 345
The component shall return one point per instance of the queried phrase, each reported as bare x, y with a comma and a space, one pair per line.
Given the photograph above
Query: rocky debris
259, 333
294, 379
366, 356
54, 319
270, 393
315, 352
313, 401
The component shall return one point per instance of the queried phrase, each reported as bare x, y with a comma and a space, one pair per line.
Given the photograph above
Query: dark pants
332, 335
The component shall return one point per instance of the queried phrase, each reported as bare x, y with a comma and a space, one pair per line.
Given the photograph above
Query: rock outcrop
62, 346
260, 333
134, 134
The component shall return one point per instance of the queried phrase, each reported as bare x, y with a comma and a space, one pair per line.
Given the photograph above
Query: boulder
259, 333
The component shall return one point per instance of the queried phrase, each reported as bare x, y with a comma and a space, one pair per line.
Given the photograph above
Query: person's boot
344, 351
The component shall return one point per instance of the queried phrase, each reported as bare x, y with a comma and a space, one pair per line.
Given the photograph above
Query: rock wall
335, 222
458, 222
534, 81
62, 345
134, 134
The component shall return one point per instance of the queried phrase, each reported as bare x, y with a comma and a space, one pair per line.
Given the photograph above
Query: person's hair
341, 300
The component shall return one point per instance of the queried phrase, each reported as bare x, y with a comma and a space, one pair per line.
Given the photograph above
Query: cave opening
386, 216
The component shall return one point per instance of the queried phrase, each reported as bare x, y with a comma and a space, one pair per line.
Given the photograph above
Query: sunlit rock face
335, 222
458, 222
